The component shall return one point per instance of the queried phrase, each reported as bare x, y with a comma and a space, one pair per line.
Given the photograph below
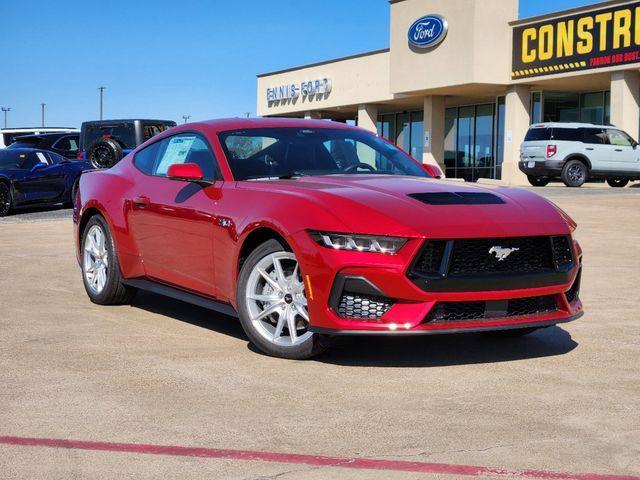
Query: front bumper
412, 308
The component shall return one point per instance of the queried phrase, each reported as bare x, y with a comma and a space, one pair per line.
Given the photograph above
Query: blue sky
163, 59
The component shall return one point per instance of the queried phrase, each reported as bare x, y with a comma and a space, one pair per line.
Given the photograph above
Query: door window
69, 144
29, 160
619, 138
184, 148
594, 136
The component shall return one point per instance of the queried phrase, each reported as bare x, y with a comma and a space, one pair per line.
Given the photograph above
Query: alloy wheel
95, 263
576, 173
5, 200
276, 300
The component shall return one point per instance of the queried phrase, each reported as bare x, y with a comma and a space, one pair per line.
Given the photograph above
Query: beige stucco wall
476, 49
356, 80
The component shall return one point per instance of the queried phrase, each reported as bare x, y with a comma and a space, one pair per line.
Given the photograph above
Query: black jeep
103, 143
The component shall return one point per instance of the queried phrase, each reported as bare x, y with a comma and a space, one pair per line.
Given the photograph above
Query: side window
42, 158
593, 136
185, 148
567, 134
28, 160
619, 138
145, 159
69, 144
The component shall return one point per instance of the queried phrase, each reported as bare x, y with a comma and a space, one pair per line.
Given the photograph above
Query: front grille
468, 311
487, 257
562, 252
482, 256
354, 305
430, 258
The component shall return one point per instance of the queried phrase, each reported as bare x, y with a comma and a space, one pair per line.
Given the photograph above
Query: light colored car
7, 135
577, 152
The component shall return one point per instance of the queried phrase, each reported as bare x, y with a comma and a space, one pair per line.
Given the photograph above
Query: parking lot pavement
159, 372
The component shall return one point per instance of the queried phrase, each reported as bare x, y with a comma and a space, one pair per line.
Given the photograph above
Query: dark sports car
31, 176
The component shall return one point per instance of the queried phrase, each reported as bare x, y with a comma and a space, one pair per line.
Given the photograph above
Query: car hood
382, 205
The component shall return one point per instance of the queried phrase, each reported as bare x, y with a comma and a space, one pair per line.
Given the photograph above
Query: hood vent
458, 198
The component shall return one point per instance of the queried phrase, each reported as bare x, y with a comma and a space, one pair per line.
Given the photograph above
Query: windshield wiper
289, 175
284, 176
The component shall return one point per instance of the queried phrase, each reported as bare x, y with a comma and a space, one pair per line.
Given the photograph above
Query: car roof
27, 150
46, 135
38, 129
224, 124
569, 125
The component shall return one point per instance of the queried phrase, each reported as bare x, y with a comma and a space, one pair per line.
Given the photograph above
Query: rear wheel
272, 304
538, 181
5, 199
72, 195
100, 269
617, 182
574, 173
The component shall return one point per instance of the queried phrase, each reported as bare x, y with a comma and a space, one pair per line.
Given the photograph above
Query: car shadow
38, 209
446, 350
188, 313
418, 351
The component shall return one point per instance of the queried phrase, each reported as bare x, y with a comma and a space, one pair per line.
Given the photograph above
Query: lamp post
186, 118
5, 110
101, 98
42, 106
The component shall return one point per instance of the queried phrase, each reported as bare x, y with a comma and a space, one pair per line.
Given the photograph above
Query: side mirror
432, 170
38, 166
189, 172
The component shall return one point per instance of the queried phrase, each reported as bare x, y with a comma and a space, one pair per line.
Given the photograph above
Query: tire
574, 173
104, 153
284, 298
512, 333
72, 194
538, 181
617, 182
108, 289
6, 202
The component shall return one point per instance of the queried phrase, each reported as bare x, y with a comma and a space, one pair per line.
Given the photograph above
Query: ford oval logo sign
428, 31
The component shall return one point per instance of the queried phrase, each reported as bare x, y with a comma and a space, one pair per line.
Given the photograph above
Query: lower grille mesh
354, 305
467, 311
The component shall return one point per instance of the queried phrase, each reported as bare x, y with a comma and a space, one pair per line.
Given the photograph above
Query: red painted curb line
316, 460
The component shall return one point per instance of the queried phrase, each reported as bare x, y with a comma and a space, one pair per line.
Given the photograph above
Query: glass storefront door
470, 139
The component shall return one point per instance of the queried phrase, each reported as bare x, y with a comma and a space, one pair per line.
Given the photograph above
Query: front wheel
272, 304
100, 269
538, 181
617, 182
574, 173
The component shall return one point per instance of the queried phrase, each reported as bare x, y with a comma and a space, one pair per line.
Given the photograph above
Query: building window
500, 115
405, 130
536, 107
590, 107
417, 142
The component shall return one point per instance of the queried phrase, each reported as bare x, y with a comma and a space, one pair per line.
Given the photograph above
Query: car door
46, 183
173, 221
596, 148
624, 154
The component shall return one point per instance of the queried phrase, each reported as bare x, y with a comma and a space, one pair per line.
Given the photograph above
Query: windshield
290, 152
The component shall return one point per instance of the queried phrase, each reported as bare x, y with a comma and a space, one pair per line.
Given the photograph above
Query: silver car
577, 152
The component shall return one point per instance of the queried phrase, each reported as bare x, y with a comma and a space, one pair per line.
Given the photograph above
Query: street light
101, 95
42, 105
186, 118
5, 110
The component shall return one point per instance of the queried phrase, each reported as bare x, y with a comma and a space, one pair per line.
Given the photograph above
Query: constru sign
601, 38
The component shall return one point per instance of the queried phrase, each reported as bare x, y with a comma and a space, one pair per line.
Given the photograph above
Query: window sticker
176, 152
42, 158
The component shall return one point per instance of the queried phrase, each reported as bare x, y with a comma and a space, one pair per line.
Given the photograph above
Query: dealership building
462, 80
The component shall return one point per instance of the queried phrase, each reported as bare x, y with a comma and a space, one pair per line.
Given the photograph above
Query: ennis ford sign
602, 38
428, 31
293, 91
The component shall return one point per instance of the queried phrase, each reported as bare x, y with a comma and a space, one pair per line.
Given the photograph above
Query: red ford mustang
309, 229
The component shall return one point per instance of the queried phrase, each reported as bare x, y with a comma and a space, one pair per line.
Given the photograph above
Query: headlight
358, 243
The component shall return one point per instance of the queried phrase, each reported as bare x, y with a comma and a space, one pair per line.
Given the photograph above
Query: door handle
589, 148
618, 149
141, 201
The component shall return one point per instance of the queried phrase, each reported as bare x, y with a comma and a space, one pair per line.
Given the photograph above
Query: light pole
5, 110
186, 118
101, 95
42, 105
247, 114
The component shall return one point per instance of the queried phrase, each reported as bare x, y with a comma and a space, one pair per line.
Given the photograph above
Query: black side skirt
195, 299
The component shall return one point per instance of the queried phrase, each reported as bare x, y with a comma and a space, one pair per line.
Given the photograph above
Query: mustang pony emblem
502, 252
